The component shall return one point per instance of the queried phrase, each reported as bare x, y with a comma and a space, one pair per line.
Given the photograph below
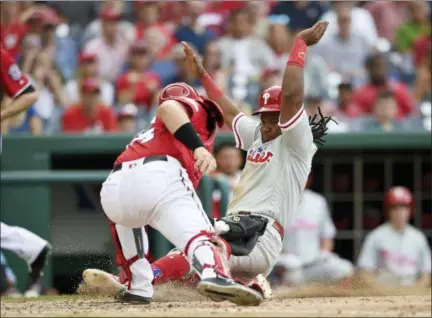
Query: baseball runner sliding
280, 147
152, 183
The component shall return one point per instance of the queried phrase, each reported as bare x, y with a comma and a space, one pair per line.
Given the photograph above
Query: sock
170, 268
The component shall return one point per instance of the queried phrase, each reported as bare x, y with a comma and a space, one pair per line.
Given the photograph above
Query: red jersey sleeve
12, 80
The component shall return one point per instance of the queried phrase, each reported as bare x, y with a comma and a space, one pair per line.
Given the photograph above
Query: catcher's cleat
220, 288
103, 282
264, 286
12, 292
125, 297
36, 272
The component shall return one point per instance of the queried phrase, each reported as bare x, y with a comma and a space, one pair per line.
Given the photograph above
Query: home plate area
315, 301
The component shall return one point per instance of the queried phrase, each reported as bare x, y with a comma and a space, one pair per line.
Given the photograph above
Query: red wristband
298, 53
213, 91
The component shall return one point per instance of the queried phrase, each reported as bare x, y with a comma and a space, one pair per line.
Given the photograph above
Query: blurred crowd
100, 64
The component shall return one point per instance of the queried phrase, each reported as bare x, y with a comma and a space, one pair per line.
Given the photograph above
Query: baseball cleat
102, 281
126, 297
36, 271
219, 289
265, 286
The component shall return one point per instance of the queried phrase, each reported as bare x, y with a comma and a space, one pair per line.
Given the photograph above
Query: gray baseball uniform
396, 257
271, 184
302, 255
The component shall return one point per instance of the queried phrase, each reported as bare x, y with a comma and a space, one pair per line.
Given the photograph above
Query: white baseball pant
159, 194
262, 258
24, 243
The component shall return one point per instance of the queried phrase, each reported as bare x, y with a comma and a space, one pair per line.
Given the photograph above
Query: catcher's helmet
178, 90
269, 100
398, 196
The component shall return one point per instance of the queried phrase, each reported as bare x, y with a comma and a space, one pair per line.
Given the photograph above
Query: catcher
280, 147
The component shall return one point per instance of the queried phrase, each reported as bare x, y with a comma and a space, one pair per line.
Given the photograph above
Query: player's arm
20, 103
213, 91
245, 128
17, 86
173, 114
424, 279
292, 114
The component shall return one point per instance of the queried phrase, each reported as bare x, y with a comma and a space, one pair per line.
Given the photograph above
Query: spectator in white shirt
279, 39
111, 48
362, 21
345, 51
88, 68
241, 50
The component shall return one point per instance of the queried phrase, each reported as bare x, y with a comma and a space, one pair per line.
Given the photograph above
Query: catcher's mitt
245, 229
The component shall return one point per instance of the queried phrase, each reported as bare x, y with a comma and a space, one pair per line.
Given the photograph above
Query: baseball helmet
269, 100
178, 90
398, 195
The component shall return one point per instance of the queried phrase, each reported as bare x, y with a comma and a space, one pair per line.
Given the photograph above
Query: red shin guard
120, 259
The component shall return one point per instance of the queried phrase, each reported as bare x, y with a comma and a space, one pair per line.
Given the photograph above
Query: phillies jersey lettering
258, 155
274, 177
158, 141
12, 80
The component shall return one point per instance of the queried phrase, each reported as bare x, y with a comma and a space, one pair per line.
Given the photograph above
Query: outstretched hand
194, 64
314, 34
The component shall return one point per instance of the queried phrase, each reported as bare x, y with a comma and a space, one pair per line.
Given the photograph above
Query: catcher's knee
207, 238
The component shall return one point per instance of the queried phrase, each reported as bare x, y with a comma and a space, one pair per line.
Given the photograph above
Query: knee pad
219, 249
205, 236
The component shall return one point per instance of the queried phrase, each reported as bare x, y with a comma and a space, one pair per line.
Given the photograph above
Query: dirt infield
310, 302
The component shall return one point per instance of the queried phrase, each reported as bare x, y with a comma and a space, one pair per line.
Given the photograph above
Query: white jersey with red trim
401, 256
274, 177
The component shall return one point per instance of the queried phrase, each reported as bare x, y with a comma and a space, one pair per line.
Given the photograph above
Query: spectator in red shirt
346, 108
149, 27
138, 85
89, 116
379, 80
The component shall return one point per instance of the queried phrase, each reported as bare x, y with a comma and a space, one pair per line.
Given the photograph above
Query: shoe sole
102, 281
237, 293
133, 301
265, 285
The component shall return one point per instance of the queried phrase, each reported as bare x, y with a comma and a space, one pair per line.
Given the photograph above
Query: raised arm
292, 82
213, 91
